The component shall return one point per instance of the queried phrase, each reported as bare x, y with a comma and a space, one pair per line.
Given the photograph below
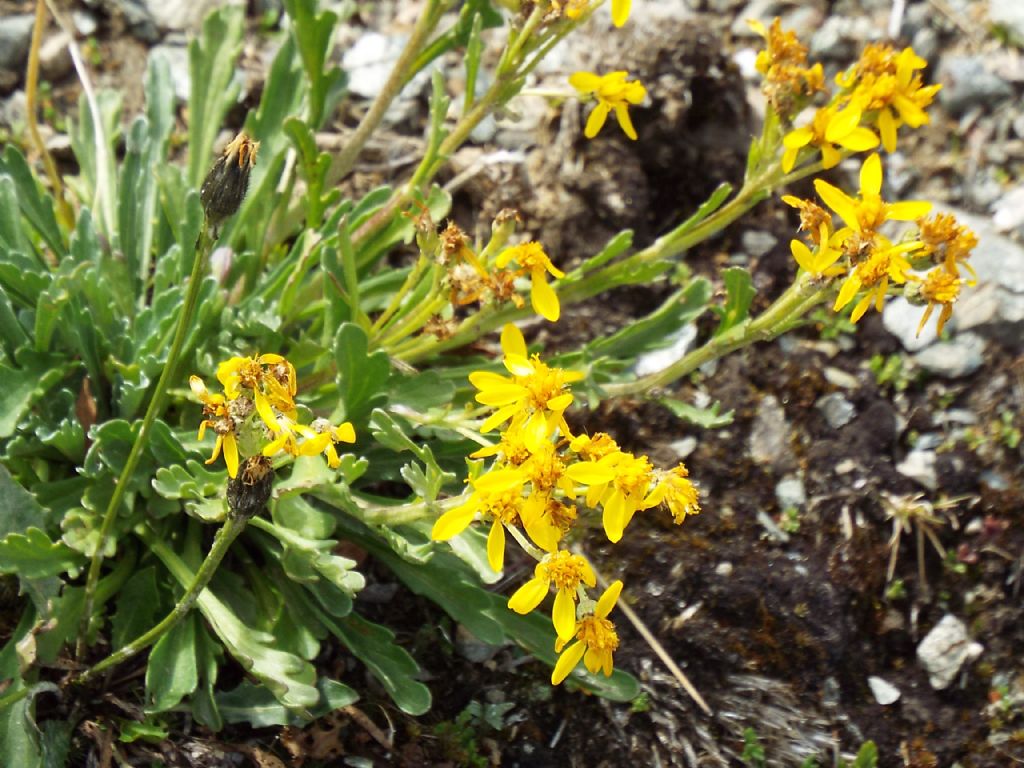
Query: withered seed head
227, 182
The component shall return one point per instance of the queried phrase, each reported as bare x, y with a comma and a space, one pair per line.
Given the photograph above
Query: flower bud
227, 182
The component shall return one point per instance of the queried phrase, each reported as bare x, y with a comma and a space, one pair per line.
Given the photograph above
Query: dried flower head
227, 182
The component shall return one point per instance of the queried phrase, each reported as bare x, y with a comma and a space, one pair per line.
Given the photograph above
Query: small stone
724, 568
1008, 212
839, 37
54, 56
183, 15
837, 377
945, 649
678, 344
757, 243
961, 356
15, 35
901, 319
837, 410
85, 23
926, 43
470, 648
968, 83
1008, 14
885, 693
683, 448
769, 434
790, 492
139, 20
919, 466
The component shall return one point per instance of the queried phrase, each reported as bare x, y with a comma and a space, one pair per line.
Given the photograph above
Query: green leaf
313, 35
290, 678
171, 672
362, 376
739, 292
212, 60
306, 559
12, 238
421, 391
137, 607
867, 756
34, 556
36, 205
652, 331
19, 743
612, 249
255, 705
23, 386
208, 661
93, 139
19, 509
708, 418
133, 730
390, 663
709, 206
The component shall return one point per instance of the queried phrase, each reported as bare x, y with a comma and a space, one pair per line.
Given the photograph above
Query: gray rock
960, 356
15, 36
885, 693
1008, 14
470, 648
840, 37
837, 410
1008, 211
183, 15
54, 56
967, 83
919, 466
140, 21
926, 43
369, 61
837, 377
176, 57
790, 492
901, 319
762, 10
769, 434
758, 243
945, 650
679, 343
683, 448
997, 259
85, 23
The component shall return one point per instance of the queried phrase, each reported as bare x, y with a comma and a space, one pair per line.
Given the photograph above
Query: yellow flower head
619, 483
220, 420
940, 289
497, 495
812, 216
883, 264
568, 572
889, 85
268, 379
869, 211
783, 62
319, 437
533, 261
613, 92
948, 242
829, 128
822, 260
596, 639
534, 396
677, 492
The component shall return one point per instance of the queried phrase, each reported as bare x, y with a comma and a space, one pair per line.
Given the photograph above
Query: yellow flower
534, 396
567, 571
889, 85
675, 490
940, 288
829, 127
783, 61
869, 211
319, 437
948, 242
821, 261
271, 380
612, 92
812, 216
874, 273
596, 640
533, 261
497, 494
220, 421
619, 482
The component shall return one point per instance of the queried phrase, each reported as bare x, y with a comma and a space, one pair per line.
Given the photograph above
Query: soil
777, 616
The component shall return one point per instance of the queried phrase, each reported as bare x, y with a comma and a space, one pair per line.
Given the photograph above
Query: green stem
227, 533
156, 403
399, 514
345, 159
803, 294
